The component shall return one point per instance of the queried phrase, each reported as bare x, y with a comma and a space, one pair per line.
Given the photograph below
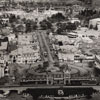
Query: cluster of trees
57, 17
13, 18
87, 15
4, 80
30, 25
66, 26
24, 26
88, 12
47, 23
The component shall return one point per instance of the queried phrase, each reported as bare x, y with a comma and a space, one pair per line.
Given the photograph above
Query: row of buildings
28, 50
69, 47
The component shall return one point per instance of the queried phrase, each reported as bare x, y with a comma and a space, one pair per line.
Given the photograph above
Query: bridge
42, 87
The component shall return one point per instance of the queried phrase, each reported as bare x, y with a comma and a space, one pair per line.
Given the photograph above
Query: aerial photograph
49, 49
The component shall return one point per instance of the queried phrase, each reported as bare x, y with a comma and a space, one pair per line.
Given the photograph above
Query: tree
71, 26
59, 31
58, 17
4, 80
12, 18
45, 24
91, 64
30, 25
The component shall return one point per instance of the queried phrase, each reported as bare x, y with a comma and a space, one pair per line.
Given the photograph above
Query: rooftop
87, 32
28, 49
25, 39
62, 38
3, 45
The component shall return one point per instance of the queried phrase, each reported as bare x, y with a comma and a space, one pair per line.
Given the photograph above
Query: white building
3, 46
49, 13
94, 22
65, 57
73, 20
26, 39
11, 37
28, 58
62, 38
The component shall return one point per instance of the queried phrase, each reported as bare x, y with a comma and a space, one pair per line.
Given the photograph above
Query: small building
65, 57
94, 22
62, 38
26, 39
3, 46
11, 37
74, 20
20, 27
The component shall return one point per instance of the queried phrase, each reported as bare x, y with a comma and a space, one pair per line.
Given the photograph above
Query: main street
42, 46
43, 36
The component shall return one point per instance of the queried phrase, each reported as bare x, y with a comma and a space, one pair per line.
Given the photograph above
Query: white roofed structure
94, 22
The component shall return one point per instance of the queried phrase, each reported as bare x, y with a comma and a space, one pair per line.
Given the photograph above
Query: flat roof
3, 45
27, 49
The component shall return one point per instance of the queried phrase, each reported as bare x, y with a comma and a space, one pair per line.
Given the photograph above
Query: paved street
51, 61
42, 48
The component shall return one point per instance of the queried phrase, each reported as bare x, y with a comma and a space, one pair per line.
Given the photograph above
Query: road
81, 69
51, 61
42, 48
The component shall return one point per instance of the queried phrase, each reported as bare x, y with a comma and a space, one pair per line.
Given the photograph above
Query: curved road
81, 69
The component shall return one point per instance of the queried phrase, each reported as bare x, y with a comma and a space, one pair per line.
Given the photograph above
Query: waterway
15, 96
95, 97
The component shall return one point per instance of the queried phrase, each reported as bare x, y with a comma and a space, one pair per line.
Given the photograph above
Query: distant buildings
64, 47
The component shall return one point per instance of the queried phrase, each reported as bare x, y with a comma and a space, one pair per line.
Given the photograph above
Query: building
49, 13
75, 20
4, 2
27, 54
26, 39
64, 57
85, 32
28, 50
94, 22
62, 39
